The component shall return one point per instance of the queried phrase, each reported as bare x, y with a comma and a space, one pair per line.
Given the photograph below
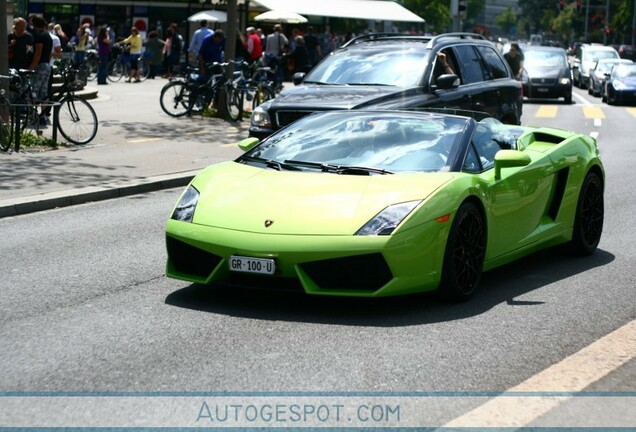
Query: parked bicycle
75, 117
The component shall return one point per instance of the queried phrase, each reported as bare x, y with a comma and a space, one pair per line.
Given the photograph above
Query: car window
593, 55
394, 142
378, 66
625, 71
473, 72
494, 61
471, 163
545, 59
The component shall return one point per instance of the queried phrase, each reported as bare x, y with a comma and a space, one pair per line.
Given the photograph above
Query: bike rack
14, 108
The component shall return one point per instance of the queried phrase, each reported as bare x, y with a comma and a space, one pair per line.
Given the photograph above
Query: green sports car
380, 203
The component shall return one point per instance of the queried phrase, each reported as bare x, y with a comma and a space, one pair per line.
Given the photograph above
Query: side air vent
190, 260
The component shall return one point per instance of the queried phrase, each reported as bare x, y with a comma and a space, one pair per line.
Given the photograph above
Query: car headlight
184, 211
565, 81
619, 85
260, 118
388, 219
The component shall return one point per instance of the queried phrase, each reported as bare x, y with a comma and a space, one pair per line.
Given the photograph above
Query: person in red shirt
253, 45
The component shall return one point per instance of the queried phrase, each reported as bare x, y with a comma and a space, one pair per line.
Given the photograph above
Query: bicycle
190, 94
119, 66
73, 116
251, 83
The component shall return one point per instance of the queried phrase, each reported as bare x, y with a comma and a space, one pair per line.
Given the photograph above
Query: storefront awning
359, 9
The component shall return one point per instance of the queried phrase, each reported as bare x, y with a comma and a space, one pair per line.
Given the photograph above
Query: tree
435, 12
507, 20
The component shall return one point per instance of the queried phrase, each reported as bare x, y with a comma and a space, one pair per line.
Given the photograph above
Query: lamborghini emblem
268, 223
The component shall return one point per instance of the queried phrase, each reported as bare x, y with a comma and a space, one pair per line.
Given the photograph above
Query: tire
568, 99
76, 120
115, 71
92, 66
5, 125
143, 68
174, 98
464, 254
588, 221
234, 103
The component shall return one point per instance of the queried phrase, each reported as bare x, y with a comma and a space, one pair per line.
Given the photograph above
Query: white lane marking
581, 99
572, 374
594, 134
598, 122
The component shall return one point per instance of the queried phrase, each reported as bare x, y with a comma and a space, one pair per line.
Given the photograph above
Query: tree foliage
437, 12
507, 20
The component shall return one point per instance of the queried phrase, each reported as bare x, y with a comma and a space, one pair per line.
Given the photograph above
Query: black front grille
190, 260
283, 118
543, 81
360, 273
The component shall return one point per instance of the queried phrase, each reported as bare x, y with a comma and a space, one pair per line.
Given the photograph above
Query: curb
52, 200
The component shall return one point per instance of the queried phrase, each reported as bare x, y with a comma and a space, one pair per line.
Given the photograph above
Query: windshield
392, 142
626, 71
403, 67
596, 55
544, 59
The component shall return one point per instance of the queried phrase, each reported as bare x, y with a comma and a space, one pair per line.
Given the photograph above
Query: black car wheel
568, 99
588, 221
464, 255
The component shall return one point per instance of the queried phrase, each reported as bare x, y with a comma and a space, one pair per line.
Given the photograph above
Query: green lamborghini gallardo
380, 203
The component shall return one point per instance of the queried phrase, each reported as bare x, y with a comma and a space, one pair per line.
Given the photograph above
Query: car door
485, 93
456, 98
519, 199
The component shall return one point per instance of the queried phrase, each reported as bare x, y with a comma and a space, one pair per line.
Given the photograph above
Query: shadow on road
498, 286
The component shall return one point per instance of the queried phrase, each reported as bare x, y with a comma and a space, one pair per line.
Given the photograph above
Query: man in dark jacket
20, 46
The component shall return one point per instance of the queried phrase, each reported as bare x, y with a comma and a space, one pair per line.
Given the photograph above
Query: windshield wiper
339, 169
279, 166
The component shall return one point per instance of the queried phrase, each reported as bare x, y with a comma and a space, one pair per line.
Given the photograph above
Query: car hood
311, 96
241, 197
629, 82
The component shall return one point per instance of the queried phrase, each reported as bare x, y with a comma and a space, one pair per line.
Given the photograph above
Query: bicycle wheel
234, 102
93, 65
174, 98
263, 93
76, 120
144, 69
115, 71
5, 125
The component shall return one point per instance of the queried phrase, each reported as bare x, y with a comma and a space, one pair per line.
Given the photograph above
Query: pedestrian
42, 48
202, 32
253, 45
312, 43
176, 48
59, 32
103, 50
20, 46
135, 42
82, 39
211, 51
274, 50
167, 68
154, 52
514, 57
298, 58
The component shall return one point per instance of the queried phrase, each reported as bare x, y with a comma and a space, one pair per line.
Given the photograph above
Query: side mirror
447, 81
298, 77
248, 143
606, 74
509, 159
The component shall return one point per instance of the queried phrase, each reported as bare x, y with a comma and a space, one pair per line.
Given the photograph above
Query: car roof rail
374, 36
456, 35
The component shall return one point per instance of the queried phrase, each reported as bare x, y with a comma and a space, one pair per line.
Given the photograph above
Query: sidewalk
138, 148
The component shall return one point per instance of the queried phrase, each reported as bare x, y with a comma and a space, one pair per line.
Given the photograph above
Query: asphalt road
86, 308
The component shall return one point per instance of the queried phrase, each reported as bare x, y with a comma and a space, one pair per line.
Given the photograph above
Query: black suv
391, 71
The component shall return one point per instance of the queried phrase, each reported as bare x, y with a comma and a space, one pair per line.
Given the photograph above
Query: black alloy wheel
590, 212
464, 255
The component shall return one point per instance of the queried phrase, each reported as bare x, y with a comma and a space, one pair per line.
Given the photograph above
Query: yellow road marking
140, 140
572, 374
593, 112
632, 111
547, 111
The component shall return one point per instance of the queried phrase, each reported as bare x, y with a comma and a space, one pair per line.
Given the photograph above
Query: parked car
626, 52
373, 203
394, 71
586, 58
548, 73
620, 87
598, 74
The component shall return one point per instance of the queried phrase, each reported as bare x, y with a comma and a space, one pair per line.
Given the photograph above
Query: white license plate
542, 90
252, 265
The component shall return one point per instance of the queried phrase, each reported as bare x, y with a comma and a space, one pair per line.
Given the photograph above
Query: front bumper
362, 266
